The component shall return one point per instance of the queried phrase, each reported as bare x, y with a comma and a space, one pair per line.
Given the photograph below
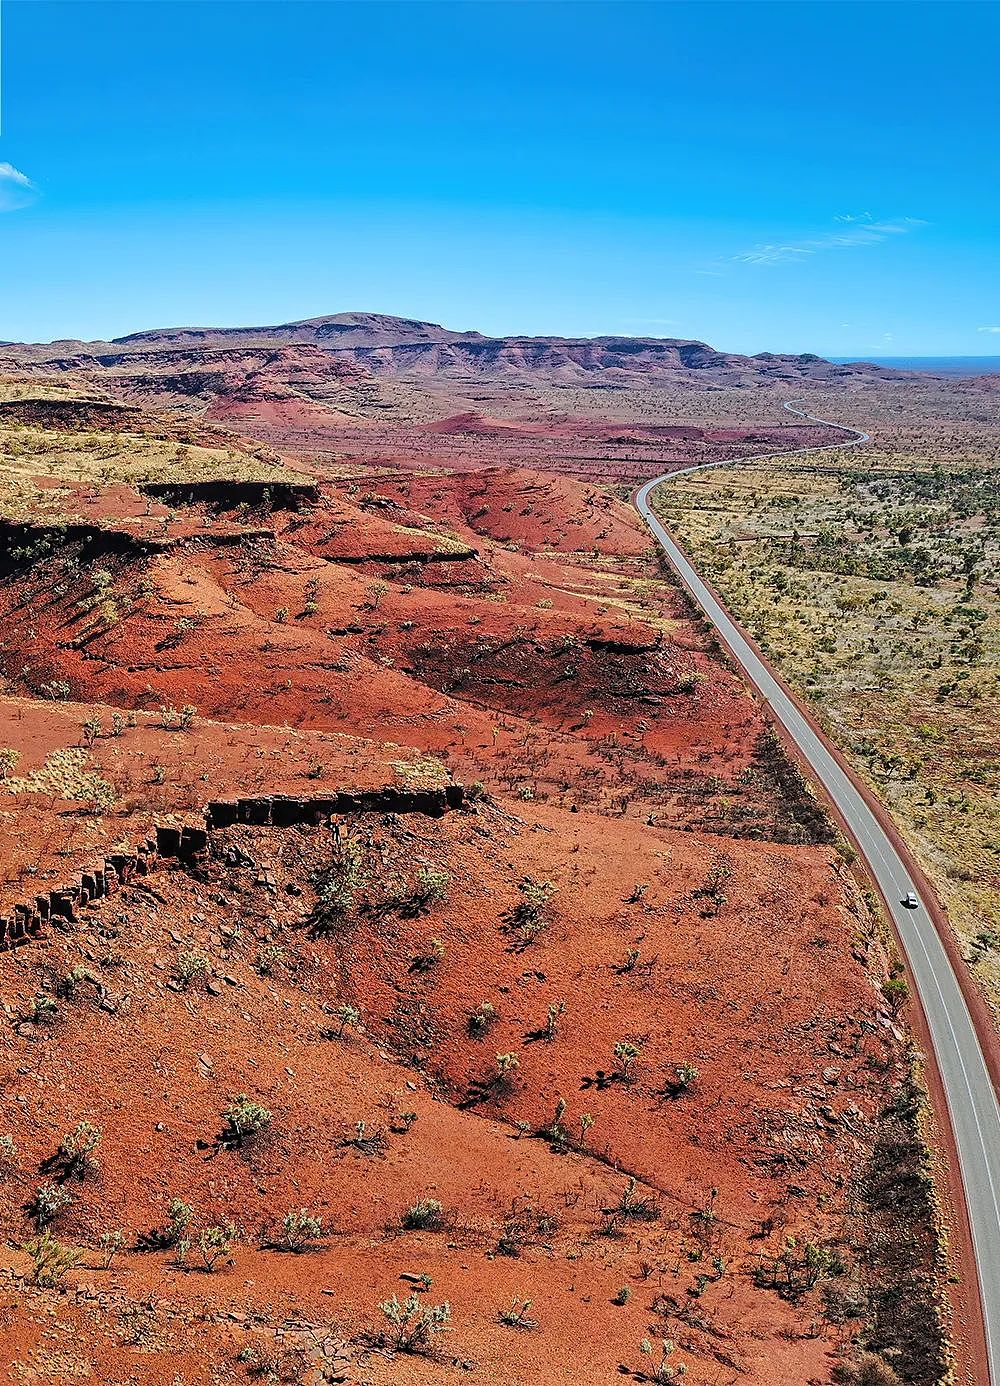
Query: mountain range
387, 346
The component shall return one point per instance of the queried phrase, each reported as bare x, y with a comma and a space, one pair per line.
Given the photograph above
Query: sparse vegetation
482, 1019
270, 957
49, 1201
425, 1216
191, 966
245, 1121
627, 1055
415, 1324
338, 885
517, 1315
631, 1207
300, 1230
348, 1016
215, 1244
432, 886
427, 960
110, 1244
529, 917
179, 1218
555, 1013
75, 1156
875, 586
50, 1260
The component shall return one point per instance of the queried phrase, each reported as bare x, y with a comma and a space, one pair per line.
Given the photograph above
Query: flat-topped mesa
61, 905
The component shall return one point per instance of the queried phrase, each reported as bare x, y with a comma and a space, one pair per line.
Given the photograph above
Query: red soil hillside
409, 923
337, 618
406, 1106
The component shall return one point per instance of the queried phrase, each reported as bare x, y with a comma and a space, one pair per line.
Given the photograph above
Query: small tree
506, 1065
43, 1009
179, 1216
75, 979
528, 916
111, 1243
432, 886
348, 1015
189, 966
338, 884
555, 1131
517, 1315
895, 990
555, 1013
685, 1076
481, 1019
428, 960
663, 1371
631, 1207
49, 1201
8, 761
269, 957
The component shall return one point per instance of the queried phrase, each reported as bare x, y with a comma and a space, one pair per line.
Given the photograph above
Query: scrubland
872, 579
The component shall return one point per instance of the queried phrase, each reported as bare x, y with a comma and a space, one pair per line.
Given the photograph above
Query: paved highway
972, 1102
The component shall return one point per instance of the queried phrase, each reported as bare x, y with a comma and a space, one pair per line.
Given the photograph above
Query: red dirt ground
633, 848
795, 1102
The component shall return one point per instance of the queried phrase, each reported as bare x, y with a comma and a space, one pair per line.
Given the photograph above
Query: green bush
481, 1019
75, 1154
425, 1216
299, 1229
245, 1119
50, 1260
415, 1323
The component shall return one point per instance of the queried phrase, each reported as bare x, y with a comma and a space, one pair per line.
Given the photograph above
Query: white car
910, 900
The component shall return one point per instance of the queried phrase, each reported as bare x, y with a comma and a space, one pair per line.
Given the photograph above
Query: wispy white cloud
988, 329
862, 231
16, 188
884, 343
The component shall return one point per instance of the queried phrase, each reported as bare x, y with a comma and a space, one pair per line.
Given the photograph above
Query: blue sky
800, 176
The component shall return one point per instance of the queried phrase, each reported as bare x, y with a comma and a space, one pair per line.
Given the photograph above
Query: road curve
971, 1099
